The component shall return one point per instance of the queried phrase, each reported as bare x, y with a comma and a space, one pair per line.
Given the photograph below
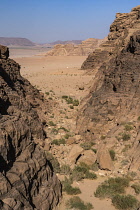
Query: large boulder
88, 157
104, 159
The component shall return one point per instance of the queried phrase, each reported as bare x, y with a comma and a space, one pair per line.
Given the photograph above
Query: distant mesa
70, 48
14, 41
66, 42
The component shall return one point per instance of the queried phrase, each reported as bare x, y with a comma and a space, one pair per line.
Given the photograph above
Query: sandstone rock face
115, 94
104, 159
120, 31
82, 49
26, 178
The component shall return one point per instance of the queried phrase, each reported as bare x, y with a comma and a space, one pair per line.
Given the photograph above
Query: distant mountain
15, 41
66, 42
70, 49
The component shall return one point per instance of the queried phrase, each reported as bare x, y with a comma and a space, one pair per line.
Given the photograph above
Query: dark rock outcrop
115, 95
27, 180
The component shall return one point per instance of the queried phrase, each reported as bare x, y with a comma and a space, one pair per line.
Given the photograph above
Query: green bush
126, 136
81, 172
77, 203
103, 137
63, 128
65, 170
125, 202
70, 100
67, 136
54, 131
90, 175
112, 154
94, 150
64, 97
75, 102
54, 162
58, 141
71, 107
136, 187
139, 118
128, 127
51, 123
47, 93
111, 187
66, 186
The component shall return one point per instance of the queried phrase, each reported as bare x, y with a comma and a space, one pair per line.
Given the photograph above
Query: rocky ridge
110, 113
27, 177
70, 49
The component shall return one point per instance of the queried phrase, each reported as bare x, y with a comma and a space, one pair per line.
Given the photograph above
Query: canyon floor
55, 77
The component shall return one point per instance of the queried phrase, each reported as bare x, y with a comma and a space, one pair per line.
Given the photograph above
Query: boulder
74, 154
88, 157
104, 159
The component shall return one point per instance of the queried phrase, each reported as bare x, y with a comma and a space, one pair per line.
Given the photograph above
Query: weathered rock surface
88, 157
115, 94
104, 159
74, 154
82, 49
27, 180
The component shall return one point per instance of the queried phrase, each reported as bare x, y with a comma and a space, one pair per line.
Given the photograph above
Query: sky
44, 21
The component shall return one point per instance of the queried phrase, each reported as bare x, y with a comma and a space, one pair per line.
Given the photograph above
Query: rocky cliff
70, 49
27, 180
110, 113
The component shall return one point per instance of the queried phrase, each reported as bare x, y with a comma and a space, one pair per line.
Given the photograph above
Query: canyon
70, 114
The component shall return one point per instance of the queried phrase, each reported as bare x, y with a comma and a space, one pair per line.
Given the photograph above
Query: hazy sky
45, 21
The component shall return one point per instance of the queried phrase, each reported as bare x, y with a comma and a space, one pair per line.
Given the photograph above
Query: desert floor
62, 76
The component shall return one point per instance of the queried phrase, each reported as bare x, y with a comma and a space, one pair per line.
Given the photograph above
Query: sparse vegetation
129, 127
70, 100
71, 107
63, 128
58, 141
65, 170
125, 202
54, 131
67, 135
111, 187
103, 137
126, 148
126, 136
77, 203
81, 172
51, 123
139, 118
66, 186
87, 145
112, 154
136, 187
47, 93
94, 150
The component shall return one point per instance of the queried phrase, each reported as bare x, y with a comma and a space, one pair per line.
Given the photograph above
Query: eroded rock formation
27, 180
82, 49
114, 99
